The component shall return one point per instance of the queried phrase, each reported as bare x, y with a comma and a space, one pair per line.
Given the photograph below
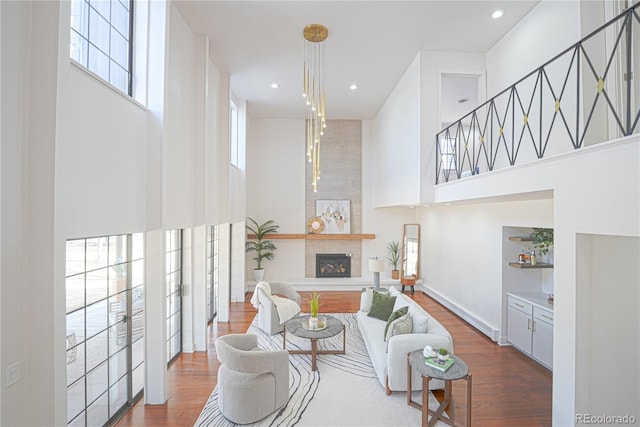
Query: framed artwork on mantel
336, 215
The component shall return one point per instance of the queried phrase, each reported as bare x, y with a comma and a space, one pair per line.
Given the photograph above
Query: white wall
178, 155
14, 80
386, 223
550, 28
28, 142
461, 258
276, 159
584, 202
79, 159
433, 66
275, 190
608, 325
396, 173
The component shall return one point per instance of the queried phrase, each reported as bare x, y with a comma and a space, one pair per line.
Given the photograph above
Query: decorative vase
258, 274
395, 274
443, 357
313, 322
428, 351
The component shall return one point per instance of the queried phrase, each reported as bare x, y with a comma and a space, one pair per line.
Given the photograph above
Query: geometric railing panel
584, 95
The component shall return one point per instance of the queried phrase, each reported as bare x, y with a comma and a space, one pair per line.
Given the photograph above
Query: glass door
105, 327
212, 272
173, 284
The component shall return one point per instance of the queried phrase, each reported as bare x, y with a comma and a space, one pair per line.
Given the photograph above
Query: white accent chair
268, 318
252, 383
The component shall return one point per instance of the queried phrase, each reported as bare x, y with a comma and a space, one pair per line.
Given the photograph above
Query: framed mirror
411, 251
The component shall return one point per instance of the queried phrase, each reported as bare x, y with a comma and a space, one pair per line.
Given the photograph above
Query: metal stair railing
584, 95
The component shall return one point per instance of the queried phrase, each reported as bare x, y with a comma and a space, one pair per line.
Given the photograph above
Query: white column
224, 284
187, 291
155, 390
198, 292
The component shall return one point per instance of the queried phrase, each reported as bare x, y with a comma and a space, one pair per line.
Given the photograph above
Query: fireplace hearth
333, 265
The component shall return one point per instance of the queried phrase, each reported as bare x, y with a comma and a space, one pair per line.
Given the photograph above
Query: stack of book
434, 362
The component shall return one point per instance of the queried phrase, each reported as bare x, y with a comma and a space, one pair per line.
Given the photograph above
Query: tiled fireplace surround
341, 178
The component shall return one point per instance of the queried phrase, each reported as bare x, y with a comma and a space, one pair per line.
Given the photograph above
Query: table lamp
376, 265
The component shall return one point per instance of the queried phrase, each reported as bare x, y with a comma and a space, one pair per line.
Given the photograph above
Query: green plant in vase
394, 258
542, 239
314, 305
262, 247
443, 354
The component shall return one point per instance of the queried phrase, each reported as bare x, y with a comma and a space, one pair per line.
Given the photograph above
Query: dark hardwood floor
509, 389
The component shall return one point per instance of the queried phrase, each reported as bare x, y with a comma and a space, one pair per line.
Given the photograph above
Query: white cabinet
519, 324
542, 337
530, 329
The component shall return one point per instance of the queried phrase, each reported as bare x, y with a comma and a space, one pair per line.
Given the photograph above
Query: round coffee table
298, 326
459, 370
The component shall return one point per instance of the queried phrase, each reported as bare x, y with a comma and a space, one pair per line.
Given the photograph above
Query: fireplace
333, 265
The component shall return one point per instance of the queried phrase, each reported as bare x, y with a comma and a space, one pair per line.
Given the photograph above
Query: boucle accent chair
275, 310
252, 383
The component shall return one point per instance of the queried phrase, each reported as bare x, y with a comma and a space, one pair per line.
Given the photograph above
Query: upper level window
448, 153
101, 35
234, 142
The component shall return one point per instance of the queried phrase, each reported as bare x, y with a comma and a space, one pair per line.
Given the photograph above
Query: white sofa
390, 358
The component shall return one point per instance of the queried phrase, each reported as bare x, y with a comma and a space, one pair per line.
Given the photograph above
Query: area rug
343, 392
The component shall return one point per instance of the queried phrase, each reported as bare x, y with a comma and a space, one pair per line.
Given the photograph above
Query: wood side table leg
284, 338
314, 352
425, 401
469, 400
408, 379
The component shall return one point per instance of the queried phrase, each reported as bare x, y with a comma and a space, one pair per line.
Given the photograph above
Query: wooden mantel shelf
315, 236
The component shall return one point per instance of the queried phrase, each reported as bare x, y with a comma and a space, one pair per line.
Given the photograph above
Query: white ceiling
370, 43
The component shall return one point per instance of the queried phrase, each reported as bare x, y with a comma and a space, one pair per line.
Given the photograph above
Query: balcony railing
585, 95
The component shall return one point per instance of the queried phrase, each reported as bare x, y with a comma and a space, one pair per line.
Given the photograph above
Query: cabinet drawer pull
528, 323
546, 317
534, 326
519, 305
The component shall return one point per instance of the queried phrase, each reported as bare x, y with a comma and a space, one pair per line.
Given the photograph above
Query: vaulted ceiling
370, 43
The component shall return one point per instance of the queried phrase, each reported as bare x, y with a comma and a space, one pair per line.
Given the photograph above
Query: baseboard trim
493, 334
336, 284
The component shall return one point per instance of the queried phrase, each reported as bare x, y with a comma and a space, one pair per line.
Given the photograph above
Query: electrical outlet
12, 374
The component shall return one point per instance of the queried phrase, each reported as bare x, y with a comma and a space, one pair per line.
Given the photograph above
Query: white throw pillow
402, 325
420, 319
366, 300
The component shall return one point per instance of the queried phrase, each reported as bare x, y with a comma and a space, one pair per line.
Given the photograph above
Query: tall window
105, 327
234, 150
212, 272
101, 39
173, 284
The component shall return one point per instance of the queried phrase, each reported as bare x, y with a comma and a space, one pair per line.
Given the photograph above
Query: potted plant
443, 355
394, 258
542, 239
262, 247
314, 305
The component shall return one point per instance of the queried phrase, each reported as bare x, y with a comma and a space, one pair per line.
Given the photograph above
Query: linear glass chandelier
313, 92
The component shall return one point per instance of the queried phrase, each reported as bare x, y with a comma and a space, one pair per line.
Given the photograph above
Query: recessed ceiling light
275, 85
498, 14
353, 86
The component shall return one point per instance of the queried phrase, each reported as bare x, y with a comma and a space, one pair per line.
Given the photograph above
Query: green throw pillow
402, 325
382, 306
393, 316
